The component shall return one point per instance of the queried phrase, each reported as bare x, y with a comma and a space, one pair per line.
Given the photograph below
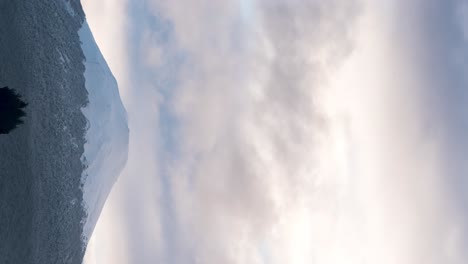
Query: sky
287, 131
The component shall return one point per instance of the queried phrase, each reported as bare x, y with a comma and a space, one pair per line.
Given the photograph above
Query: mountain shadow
11, 110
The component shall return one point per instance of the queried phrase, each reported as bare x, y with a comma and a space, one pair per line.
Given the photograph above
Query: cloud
408, 130
248, 127
289, 132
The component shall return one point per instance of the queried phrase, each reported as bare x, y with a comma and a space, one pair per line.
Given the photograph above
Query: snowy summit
106, 147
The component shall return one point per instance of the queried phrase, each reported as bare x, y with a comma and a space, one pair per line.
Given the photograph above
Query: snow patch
64, 60
106, 147
69, 8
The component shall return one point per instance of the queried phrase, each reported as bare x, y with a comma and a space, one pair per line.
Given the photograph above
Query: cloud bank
288, 132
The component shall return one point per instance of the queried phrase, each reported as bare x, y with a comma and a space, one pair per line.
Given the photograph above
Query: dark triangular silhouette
11, 110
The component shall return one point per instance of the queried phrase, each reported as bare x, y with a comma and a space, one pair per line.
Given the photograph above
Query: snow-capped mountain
106, 147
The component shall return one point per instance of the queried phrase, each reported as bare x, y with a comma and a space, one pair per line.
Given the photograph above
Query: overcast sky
288, 131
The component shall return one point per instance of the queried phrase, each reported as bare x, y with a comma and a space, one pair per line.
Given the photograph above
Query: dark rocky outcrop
11, 110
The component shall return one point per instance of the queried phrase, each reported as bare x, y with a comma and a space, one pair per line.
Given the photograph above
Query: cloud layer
288, 132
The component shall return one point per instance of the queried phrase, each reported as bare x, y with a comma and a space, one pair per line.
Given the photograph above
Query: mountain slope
106, 147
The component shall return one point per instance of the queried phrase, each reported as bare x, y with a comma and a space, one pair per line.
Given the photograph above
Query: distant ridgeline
11, 110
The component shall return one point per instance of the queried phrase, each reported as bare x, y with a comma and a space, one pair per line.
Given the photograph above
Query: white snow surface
106, 147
